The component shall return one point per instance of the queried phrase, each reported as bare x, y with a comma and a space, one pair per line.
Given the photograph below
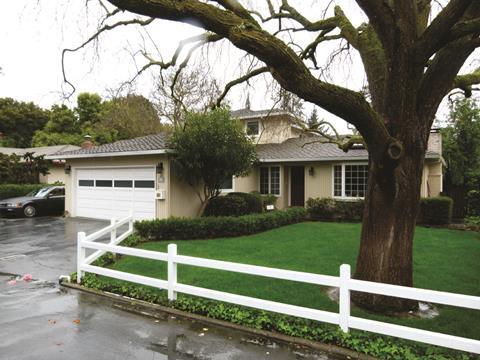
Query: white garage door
106, 193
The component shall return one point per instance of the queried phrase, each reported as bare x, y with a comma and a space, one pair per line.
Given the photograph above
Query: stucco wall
183, 199
248, 183
320, 184
56, 174
435, 178
274, 129
162, 206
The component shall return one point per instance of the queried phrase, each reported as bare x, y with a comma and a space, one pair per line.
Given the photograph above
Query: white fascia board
110, 154
359, 158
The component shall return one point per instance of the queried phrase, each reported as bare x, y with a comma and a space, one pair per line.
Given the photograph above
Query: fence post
344, 300
130, 222
113, 233
80, 255
172, 272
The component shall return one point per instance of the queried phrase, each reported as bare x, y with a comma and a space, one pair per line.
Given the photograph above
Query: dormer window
253, 127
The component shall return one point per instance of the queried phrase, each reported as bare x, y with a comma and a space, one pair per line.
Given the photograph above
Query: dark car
47, 201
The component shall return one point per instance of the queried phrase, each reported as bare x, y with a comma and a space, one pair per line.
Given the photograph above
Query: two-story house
109, 181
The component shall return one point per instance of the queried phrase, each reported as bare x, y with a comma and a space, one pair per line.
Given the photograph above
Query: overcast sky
33, 34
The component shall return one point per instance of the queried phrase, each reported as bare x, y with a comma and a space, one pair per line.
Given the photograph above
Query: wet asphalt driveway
40, 321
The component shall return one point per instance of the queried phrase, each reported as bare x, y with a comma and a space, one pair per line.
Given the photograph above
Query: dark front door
297, 186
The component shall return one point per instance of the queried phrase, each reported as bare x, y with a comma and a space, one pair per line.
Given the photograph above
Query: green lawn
445, 260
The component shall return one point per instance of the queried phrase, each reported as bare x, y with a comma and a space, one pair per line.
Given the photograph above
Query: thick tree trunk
391, 207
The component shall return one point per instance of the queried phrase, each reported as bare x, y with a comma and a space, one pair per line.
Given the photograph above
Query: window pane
275, 180
123, 183
57, 192
150, 184
264, 180
337, 180
85, 183
227, 185
103, 183
252, 128
356, 177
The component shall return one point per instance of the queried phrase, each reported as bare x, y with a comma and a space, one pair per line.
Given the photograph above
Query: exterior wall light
68, 168
159, 168
311, 171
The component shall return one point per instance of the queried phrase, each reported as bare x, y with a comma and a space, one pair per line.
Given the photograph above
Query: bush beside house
15, 190
234, 204
331, 209
433, 211
215, 227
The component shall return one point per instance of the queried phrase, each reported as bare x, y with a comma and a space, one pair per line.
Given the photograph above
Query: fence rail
344, 282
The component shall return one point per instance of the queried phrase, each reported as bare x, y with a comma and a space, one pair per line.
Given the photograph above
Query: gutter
107, 154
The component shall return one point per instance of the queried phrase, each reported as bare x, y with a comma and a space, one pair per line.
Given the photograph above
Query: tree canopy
18, 122
208, 150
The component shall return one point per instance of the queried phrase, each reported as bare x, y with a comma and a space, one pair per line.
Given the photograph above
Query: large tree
411, 56
18, 122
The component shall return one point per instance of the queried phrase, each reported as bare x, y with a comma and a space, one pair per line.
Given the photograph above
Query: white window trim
343, 197
226, 191
280, 184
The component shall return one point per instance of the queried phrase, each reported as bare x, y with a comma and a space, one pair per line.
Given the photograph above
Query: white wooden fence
344, 282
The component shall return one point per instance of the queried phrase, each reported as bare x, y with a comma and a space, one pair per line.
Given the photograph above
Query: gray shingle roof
307, 149
247, 113
43, 150
144, 143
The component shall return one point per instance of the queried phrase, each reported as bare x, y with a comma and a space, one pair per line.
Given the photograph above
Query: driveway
40, 321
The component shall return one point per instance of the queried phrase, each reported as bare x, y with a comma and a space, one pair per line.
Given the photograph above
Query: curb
148, 309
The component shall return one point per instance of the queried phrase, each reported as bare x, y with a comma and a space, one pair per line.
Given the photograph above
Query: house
135, 175
56, 170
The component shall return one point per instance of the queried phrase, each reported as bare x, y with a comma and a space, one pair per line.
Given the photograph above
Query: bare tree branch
240, 80
465, 82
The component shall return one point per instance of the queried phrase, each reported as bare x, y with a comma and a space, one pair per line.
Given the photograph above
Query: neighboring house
56, 171
109, 181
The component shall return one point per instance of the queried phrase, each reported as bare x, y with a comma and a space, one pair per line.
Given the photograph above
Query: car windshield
39, 193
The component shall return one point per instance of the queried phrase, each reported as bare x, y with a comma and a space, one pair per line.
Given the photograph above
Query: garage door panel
117, 200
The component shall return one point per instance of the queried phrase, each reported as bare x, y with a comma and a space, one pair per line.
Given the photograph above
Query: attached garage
114, 192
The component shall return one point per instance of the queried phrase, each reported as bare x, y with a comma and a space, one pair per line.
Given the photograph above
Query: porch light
68, 168
311, 171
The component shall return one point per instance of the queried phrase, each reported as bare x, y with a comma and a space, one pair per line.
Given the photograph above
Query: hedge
15, 190
435, 210
226, 206
331, 209
214, 227
254, 201
234, 204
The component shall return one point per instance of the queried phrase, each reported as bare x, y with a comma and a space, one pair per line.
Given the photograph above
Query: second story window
253, 127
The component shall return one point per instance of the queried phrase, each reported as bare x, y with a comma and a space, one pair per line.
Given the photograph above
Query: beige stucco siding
274, 129
248, 183
320, 184
162, 206
435, 178
184, 202
56, 174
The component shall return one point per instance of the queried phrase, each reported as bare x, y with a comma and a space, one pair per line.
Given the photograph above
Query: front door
297, 186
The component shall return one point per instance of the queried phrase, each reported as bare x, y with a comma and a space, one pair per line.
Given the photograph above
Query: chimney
87, 143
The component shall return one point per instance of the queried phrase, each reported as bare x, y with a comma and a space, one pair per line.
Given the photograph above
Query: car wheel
29, 211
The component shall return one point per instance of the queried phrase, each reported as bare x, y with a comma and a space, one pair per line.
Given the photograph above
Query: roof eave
108, 154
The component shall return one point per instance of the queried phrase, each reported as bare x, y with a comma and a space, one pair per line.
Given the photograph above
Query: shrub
253, 200
435, 210
473, 223
226, 206
473, 203
331, 209
14, 190
267, 199
215, 227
